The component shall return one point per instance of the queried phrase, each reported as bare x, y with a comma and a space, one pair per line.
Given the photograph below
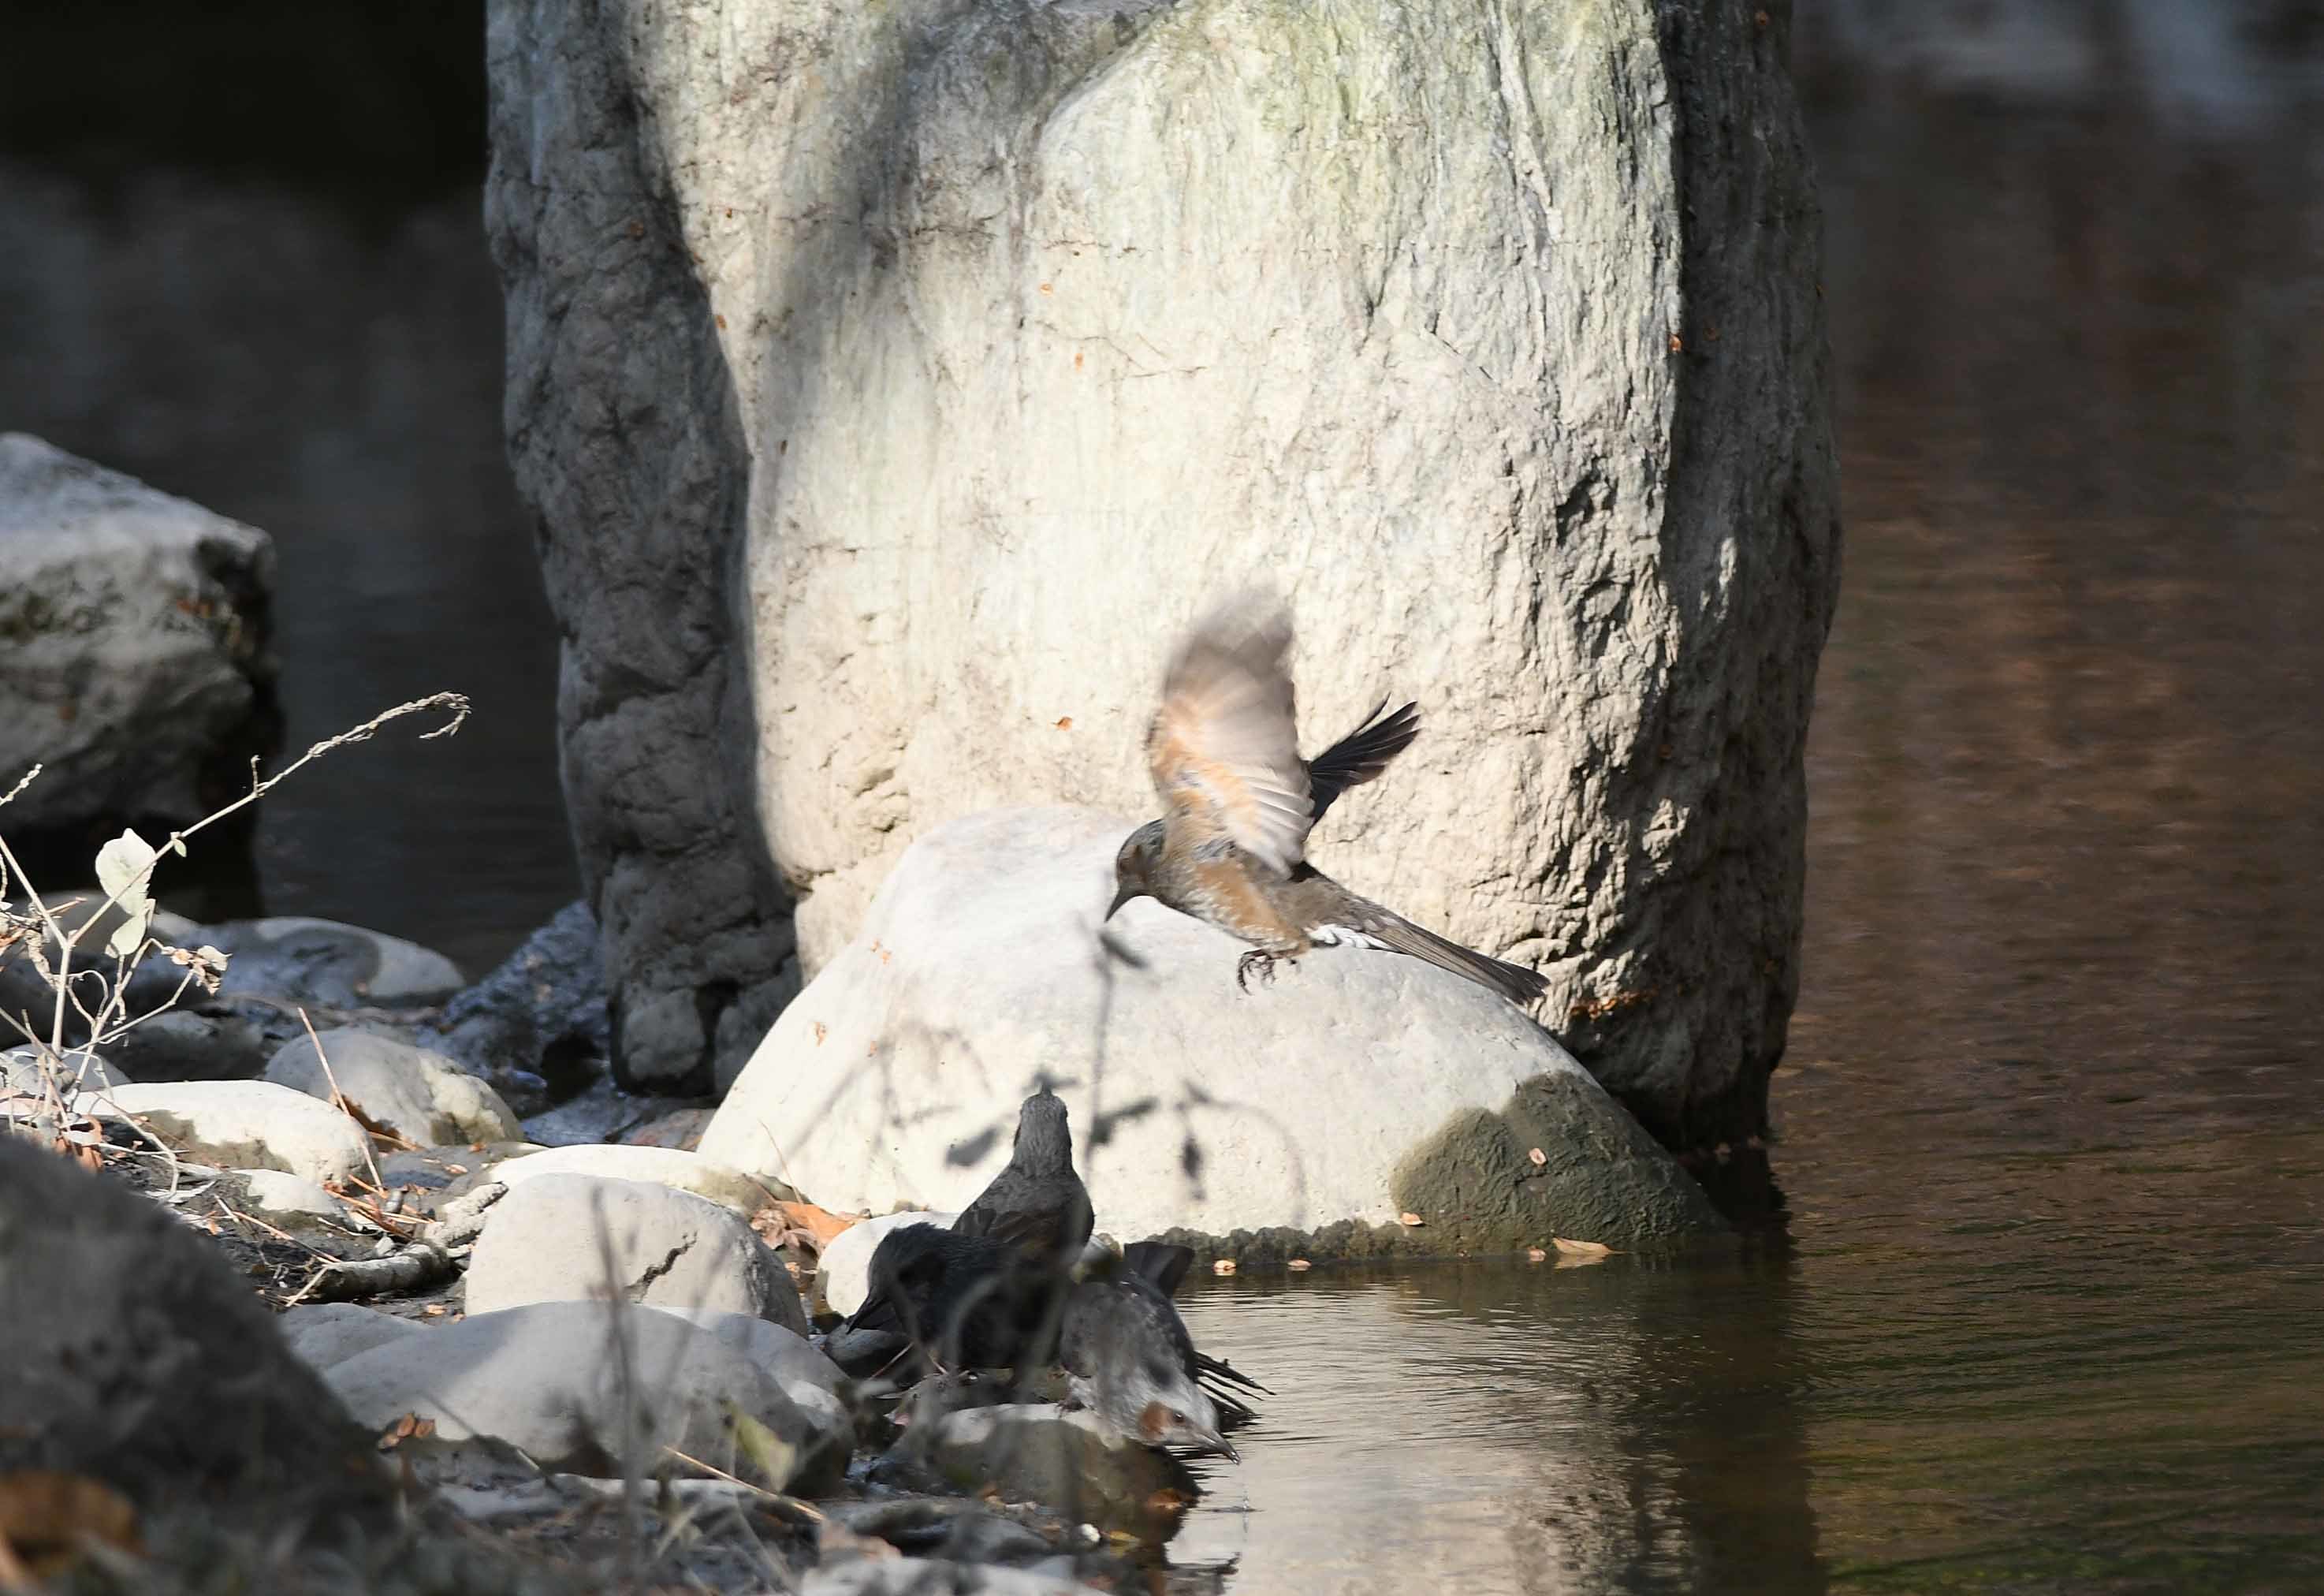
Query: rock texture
890, 382
421, 1096
297, 959
133, 632
1360, 1087
137, 1356
561, 1381
662, 1165
243, 1124
536, 1025
669, 1248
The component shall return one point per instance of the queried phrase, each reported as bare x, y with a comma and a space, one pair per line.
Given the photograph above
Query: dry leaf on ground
45, 1516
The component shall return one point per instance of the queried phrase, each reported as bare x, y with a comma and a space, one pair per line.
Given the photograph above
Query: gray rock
244, 1125
134, 644
421, 1096
324, 1334
602, 1112
843, 1272
220, 1043
1042, 1452
293, 959
661, 1166
806, 1377
22, 1071
895, 1078
537, 1027
932, 1576
553, 1380
1529, 395
288, 1201
137, 1356
542, 1244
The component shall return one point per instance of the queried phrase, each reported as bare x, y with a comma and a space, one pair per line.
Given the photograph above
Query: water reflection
1620, 1426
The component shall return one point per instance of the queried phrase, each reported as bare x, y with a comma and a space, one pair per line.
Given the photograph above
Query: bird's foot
1260, 963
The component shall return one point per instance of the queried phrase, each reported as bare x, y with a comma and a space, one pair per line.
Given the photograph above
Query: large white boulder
1360, 1087
421, 1096
134, 662
243, 1125
551, 1240
891, 381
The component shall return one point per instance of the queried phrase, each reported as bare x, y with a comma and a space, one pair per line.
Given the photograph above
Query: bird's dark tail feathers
1521, 986
1361, 755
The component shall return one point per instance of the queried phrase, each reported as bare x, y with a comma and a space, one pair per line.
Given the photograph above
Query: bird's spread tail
1520, 985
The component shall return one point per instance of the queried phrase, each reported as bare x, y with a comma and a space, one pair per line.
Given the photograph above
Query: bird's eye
1177, 1417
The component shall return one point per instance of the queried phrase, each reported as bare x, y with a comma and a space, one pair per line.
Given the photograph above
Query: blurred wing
1224, 749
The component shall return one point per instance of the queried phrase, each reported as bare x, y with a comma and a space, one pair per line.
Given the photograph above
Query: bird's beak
1218, 1443
1122, 895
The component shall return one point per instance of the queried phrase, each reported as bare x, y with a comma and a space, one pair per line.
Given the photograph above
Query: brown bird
1238, 802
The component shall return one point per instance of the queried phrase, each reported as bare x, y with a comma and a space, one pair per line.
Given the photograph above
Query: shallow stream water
2046, 1312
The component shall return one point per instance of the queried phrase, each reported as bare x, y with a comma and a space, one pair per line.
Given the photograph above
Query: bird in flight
1238, 802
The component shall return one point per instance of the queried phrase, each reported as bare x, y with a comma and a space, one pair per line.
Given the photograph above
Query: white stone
992, 348
1359, 1086
843, 1273
661, 1166
325, 1333
551, 1379
243, 1125
289, 1200
542, 1242
421, 1096
132, 643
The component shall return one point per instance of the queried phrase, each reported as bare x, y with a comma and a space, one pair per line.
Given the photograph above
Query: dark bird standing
962, 1301
1238, 802
1036, 1204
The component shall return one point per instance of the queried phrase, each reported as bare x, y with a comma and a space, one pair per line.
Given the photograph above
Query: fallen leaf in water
821, 1032
1299, 1263
1064, 723
46, 1517
1409, 1219
434, 1310
1535, 1254
1537, 1156
1225, 1266
456, 1168
1579, 1248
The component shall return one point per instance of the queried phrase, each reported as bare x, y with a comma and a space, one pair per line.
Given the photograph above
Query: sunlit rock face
890, 382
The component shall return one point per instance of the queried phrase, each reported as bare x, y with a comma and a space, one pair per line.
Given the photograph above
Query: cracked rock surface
559, 1238
890, 382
